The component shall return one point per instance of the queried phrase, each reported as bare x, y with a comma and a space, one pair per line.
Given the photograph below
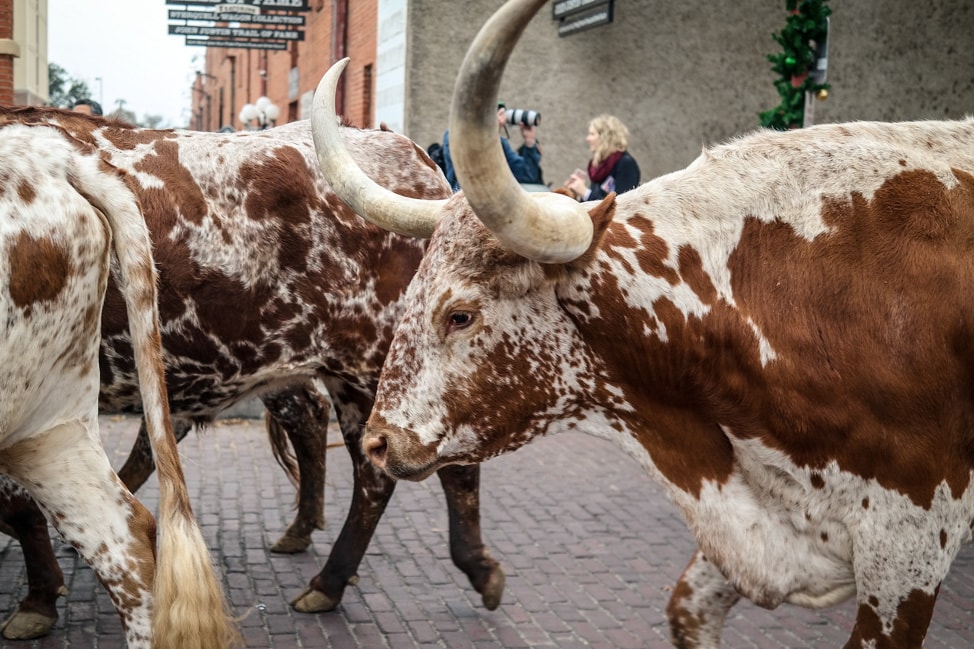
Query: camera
523, 116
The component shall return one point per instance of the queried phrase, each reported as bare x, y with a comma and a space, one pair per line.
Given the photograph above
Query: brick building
333, 29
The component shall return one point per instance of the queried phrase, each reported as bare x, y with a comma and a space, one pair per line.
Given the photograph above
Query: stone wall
685, 74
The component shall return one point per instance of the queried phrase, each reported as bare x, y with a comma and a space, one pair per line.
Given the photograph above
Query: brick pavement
589, 545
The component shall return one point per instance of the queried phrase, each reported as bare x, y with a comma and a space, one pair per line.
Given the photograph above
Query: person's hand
501, 117
529, 135
576, 184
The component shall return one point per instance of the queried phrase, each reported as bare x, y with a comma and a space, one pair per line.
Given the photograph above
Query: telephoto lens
523, 116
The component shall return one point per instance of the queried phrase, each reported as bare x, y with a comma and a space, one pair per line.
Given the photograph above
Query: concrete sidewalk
589, 545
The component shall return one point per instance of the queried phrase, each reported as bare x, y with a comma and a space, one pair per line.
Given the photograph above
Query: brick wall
6, 60
360, 73
6, 79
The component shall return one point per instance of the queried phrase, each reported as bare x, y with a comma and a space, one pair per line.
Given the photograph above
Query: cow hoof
25, 625
314, 601
291, 544
494, 589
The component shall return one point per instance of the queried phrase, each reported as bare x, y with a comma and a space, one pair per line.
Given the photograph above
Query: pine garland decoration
805, 25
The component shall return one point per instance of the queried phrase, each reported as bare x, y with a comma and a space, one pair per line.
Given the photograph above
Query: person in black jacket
611, 168
525, 162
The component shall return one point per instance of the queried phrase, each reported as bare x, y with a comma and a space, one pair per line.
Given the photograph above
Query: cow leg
699, 605
67, 473
372, 490
37, 613
461, 485
21, 518
904, 629
139, 464
897, 581
302, 413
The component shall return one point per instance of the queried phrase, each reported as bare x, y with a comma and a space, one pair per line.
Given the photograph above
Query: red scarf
600, 173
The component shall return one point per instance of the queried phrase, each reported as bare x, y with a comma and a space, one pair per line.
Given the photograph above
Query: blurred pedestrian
87, 106
611, 168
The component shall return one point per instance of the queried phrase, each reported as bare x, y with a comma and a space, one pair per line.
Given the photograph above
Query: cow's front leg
892, 619
699, 605
139, 464
300, 415
371, 492
461, 485
899, 566
21, 518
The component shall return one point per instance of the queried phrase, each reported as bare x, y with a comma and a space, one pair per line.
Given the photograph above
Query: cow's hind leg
302, 414
139, 464
699, 605
21, 518
37, 613
461, 485
68, 475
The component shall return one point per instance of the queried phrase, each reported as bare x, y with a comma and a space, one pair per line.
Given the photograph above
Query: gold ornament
822, 94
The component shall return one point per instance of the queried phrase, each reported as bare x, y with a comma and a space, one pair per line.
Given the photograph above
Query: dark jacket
526, 165
623, 177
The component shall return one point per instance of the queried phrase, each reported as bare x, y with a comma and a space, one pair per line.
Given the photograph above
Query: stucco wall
689, 73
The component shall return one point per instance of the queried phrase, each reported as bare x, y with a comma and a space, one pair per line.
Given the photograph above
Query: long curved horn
411, 217
549, 228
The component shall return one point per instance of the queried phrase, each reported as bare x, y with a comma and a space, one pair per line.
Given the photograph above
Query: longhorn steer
782, 334
63, 212
268, 283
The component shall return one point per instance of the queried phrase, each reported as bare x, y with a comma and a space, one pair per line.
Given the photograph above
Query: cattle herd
778, 334
269, 285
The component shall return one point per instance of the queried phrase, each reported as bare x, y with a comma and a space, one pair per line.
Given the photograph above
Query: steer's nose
375, 448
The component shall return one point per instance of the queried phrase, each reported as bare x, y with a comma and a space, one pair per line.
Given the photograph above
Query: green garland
806, 24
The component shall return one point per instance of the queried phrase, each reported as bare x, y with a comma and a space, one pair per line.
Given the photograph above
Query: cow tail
281, 448
190, 609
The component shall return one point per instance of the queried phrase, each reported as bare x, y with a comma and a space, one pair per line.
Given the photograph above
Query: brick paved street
589, 546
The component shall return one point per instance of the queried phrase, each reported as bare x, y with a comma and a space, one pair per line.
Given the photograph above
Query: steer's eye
461, 316
460, 320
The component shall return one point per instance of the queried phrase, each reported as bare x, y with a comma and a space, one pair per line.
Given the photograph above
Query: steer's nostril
375, 449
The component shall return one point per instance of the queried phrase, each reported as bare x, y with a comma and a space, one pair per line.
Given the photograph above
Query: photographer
525, 163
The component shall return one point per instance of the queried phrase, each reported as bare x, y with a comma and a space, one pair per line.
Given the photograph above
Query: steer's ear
601, 216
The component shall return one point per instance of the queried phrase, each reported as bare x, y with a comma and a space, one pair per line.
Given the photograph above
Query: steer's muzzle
398, 452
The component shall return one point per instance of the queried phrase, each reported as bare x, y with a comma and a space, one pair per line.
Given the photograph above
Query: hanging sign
574, 16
